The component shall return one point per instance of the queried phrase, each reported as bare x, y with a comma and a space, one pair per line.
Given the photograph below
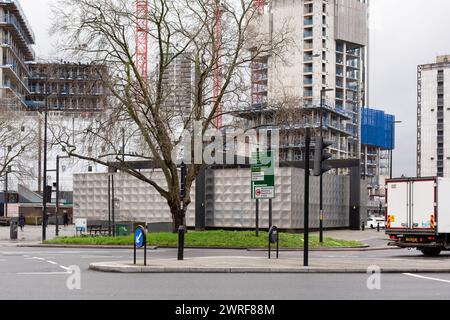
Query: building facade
433, 118
323, 74
228, 202
377, 143
69, 87
178, 81
16, 49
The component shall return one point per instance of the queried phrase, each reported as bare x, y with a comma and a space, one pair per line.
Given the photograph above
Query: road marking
65, 268
426, 278
101, 257
51, 262
42, 273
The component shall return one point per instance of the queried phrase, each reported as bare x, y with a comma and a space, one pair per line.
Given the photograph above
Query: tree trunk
178, 217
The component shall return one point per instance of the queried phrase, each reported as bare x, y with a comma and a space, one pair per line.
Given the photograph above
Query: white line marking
51, 262
65, 268
426, 278
42, 273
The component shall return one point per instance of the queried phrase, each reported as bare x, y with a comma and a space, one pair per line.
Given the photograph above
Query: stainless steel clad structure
228, 201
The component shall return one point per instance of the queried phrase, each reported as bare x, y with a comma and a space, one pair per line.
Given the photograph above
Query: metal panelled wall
228, 200
135, 200
235, 208
336, 200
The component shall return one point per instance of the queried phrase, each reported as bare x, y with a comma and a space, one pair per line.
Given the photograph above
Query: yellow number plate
412, 240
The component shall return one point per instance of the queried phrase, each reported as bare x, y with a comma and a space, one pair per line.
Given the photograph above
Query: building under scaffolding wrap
378, 141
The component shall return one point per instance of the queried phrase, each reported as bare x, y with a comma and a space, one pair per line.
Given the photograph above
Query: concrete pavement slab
247, 264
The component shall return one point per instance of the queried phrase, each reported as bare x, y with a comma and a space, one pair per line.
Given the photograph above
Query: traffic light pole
321, 217
306, 202
6, 193
321, 174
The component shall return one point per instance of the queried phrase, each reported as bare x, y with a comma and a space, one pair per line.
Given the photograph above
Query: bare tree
104, 31
17, 141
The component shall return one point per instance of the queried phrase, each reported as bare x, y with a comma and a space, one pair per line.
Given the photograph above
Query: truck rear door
398, 205
423, 202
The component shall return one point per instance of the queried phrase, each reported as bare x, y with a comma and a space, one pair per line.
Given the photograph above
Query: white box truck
418, 214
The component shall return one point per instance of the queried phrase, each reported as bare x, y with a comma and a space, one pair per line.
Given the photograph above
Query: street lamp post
44, 183
8, 170
392, 147
58, 158
322, 102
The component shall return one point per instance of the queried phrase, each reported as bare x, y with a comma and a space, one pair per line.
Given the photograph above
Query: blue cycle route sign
139, 238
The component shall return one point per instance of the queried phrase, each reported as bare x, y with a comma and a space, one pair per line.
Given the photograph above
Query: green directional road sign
263, 175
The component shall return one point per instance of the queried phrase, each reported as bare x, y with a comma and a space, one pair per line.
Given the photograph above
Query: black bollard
363, 226
378, 227
181, 232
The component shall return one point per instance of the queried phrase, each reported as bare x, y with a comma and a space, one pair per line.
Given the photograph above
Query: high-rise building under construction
16, 49
323, 72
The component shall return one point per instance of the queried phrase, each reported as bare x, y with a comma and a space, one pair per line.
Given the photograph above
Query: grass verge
216, 239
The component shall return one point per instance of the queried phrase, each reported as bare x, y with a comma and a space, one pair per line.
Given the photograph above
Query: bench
5, 221
97, 230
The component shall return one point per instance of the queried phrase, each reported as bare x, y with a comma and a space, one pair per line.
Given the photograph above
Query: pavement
289, 262
33, 235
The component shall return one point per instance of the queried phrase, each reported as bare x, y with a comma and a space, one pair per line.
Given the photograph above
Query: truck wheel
431, 252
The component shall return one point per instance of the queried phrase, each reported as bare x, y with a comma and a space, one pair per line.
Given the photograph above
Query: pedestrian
21, 221
66, 218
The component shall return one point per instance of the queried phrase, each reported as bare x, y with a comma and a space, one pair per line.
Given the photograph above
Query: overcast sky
404, 34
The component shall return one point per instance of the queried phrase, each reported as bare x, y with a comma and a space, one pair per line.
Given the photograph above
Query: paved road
35, 273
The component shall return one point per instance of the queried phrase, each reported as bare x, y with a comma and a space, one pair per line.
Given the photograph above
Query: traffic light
48, 194
321, 156
183, 181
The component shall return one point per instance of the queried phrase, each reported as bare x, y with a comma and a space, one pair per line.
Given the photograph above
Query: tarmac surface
40, 273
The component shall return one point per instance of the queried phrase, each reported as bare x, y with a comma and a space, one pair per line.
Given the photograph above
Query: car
373, 222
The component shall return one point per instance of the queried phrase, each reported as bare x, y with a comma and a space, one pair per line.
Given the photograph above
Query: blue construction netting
377, 129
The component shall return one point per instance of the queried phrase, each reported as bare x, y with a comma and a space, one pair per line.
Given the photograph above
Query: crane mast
142, 38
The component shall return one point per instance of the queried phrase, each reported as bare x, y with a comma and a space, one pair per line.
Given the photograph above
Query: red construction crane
142, 37
217, 82
259, 5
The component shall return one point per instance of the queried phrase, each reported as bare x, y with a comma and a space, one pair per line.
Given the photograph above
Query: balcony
308, 58
308, 93
308, 9
308, 21
308, 34
24, 40
353, 64
308, 46
308, 69
308, 81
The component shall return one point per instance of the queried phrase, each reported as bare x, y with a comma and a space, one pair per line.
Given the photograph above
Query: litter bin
123, 229
13, 229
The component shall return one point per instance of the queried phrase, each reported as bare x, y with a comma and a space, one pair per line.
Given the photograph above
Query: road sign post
263, 175
140, 241
263, 181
